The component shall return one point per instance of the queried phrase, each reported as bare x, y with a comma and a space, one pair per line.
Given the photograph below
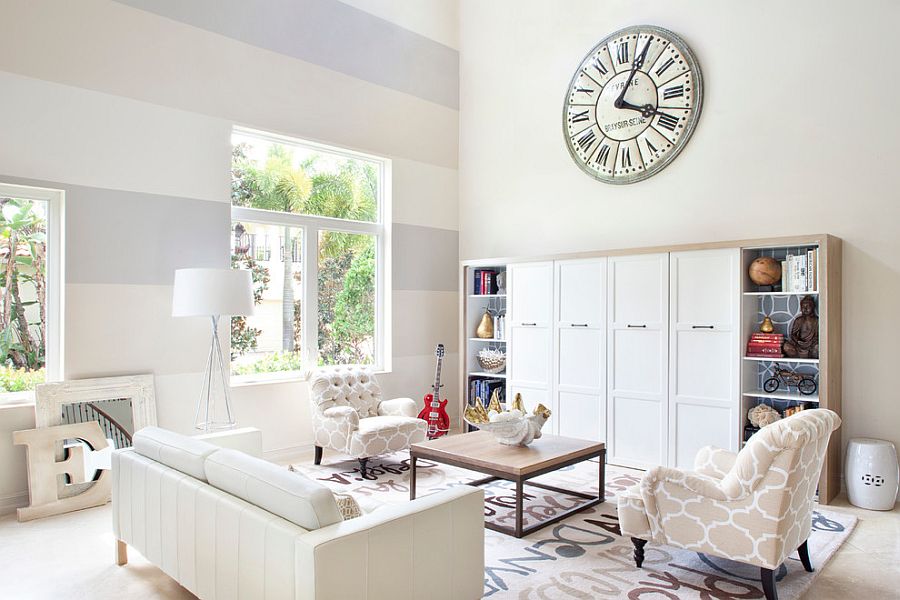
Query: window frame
311, 226
55, 278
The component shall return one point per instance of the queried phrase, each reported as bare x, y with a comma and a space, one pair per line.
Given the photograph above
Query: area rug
584, 556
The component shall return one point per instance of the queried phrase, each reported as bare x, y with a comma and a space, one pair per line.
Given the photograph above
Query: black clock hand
646, 110
638, 63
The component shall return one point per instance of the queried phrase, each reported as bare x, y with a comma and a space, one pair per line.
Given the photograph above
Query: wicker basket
492, 361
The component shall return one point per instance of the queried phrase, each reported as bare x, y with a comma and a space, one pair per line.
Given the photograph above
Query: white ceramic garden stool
872, 473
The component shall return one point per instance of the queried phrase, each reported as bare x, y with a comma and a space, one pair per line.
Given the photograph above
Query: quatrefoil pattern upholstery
349, 415
753, 507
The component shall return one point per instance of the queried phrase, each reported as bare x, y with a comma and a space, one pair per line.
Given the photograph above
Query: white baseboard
289, 453
9, 504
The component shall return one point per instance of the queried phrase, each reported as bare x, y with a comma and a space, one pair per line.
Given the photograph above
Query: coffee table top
479, 451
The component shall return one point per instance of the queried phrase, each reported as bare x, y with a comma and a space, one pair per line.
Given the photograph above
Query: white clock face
632, 104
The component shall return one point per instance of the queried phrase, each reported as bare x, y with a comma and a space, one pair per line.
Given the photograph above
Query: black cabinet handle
637, 327
529, 324
579, 324
703, 326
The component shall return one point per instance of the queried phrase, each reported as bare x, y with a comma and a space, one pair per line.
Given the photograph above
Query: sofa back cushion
180, 452
291, 496
346, 386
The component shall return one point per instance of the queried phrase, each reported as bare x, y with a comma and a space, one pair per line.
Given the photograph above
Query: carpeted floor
583, 556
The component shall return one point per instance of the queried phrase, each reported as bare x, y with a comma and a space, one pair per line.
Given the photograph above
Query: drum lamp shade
212, 292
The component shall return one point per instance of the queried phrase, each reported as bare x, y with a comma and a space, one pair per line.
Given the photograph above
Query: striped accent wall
137, 134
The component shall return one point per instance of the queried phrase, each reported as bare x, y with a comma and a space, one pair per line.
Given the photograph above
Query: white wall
133, 111
796, 136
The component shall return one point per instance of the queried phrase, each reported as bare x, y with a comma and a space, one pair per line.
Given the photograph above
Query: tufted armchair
754, 507
348, 415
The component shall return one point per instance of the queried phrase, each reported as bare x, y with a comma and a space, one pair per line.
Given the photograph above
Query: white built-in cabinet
529, 325
637, 363
704, 353
579, 359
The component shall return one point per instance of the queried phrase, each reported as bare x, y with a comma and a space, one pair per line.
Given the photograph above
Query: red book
764, 355
767, 336
763, 348
752, 344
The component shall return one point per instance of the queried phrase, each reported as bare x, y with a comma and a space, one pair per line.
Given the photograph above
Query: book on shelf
799, 272
485, 282
765, 355
484, 388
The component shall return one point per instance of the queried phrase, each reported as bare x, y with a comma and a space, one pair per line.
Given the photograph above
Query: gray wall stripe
116, 236
425, 258
331, 34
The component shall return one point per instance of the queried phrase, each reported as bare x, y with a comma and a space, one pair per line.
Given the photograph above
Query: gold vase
767, 326
486, 326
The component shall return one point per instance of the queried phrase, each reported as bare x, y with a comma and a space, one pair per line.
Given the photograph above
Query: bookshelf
783, 307
473, 311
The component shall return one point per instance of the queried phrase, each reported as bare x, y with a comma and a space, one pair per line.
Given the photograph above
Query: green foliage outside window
316, 185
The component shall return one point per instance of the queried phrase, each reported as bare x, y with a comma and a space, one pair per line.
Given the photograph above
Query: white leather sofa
228, 525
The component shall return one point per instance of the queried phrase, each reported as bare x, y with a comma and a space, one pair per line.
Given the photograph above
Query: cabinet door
530, 335
579, 397
704, 353
637, 365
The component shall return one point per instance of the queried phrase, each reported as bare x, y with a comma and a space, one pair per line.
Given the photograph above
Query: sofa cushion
180, 452
291, 496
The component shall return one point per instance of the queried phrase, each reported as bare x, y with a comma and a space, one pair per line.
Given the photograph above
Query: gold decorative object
517, 404
494, 404
765, 270
767, 326
486, 327
513, 427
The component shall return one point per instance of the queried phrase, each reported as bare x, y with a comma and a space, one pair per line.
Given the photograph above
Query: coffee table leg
520, 495
412, 478
603, 476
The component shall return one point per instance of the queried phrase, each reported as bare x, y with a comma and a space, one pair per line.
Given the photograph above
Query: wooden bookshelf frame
829, 310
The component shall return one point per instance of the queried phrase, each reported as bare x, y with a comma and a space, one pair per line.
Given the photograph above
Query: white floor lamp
213, 293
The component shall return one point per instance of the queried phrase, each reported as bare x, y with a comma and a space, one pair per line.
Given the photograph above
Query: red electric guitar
434, 412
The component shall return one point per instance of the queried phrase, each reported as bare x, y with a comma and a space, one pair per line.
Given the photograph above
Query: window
307, 221
29, 289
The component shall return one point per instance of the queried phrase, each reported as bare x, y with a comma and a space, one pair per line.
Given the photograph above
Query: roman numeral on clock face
676, 91
668, 121
626, 156
585, 141
602, 155
579, 117
663, 67
622, 53
598, 64
650, 146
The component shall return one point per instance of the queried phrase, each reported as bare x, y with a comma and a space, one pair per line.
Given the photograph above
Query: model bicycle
805, 384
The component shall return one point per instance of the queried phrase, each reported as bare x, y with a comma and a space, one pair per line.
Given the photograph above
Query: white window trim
55, 309
310, 226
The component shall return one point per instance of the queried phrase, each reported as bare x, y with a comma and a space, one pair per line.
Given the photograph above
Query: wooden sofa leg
768, 583
803, 550
638, 551
362, 466
318, 458
121, 553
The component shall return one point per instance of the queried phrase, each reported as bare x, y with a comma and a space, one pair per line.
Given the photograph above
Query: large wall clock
632, 104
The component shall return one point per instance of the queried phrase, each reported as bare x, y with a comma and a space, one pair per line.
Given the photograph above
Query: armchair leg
803, 550
362, 466
768, 583
638, 551
318, 458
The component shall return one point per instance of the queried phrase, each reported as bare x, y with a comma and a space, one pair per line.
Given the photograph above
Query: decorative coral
762, 415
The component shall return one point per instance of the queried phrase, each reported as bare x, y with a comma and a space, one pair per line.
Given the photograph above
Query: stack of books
799, 272
484, 388
485, 281
765, 345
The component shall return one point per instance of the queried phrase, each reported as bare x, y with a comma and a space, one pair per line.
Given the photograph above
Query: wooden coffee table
479, 451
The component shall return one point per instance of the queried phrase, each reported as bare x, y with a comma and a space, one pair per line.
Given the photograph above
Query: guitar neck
437, 379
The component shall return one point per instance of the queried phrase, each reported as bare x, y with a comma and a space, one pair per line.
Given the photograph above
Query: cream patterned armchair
348, 415
754, 507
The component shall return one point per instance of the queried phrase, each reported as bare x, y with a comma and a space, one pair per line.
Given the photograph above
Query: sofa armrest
345, 417
358, 558
714, 462
398, 407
